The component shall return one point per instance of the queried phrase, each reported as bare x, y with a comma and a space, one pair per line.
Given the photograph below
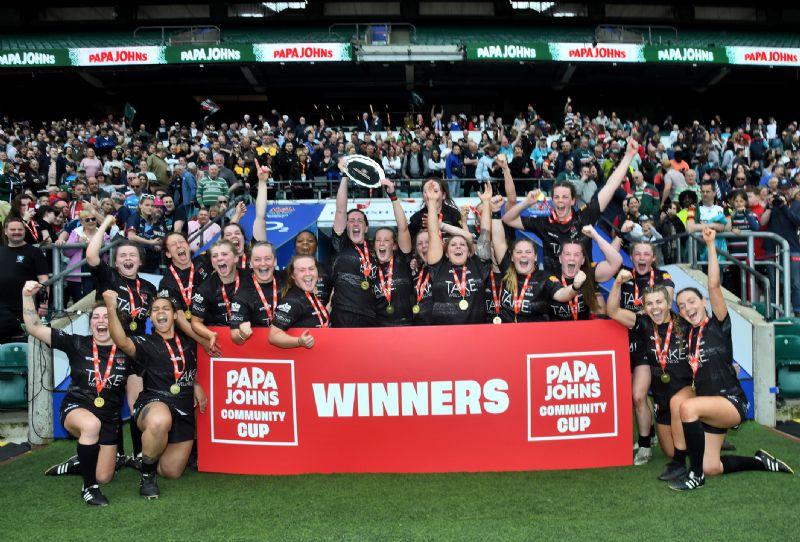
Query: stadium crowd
68, 182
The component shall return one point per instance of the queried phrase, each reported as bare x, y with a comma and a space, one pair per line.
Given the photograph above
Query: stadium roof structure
420, 35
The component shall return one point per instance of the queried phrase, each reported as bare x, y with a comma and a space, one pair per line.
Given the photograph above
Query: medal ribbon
553, 218
174, 359
518, 299
264, 299
322, 314
244, 261
694, 360
186, 293
573, 303
661, 355
366, 264
225, 295
461, 285
134, 311
422, 285
386, 288
100, 383
636, 299
495, 297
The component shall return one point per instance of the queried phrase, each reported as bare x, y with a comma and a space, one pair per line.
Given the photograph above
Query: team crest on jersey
235, 307
197, 298
20, 259
163, 293
285, 307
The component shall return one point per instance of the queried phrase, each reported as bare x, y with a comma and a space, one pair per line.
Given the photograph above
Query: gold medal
175, 389
365, 285
415, 309
188, 314
497, 320
99, 402
463, 304
389, 309
665, 378
133, 326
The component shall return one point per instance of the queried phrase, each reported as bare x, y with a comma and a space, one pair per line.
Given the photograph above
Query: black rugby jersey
78, 349
154, 363
247, 306
716, 374
447, 297
553, 233
296, 311
677, 366
168, 287
542, 286
349, 272
139, 290
208, 302
401, 292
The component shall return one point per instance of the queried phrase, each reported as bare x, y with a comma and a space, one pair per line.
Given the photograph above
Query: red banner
434, 399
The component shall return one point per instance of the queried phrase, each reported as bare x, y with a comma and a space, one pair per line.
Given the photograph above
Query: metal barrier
776, 299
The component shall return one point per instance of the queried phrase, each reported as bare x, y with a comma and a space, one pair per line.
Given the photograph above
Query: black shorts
661, 409
739, 400
345, 318
109, 426
637, 354
183, 421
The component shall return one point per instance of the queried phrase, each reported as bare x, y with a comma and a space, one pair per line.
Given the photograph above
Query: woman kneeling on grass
90, 411
661, 335
720, 402
164, 411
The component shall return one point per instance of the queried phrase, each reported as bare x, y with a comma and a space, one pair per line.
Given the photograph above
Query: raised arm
718, 304
606, 269
115, 326
403, 234
511, 217
499, 242
31, 316
508, 181
340, 218
613, 308
435, 245
618, 175
483, 247
96, 242
260, 224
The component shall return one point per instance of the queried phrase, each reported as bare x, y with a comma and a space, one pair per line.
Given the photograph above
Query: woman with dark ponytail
720, 402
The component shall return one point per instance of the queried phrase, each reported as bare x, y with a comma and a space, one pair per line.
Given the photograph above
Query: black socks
737, 463
696, 445
149, 464
136, 438
87, 455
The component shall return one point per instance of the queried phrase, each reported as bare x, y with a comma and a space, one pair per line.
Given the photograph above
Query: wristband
496, 215
392, 197
574, 288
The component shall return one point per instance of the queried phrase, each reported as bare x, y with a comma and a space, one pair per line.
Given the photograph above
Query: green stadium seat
789, 378
787, 348
13, 375
787, 326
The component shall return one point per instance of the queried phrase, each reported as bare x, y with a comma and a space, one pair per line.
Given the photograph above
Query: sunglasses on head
147, 196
